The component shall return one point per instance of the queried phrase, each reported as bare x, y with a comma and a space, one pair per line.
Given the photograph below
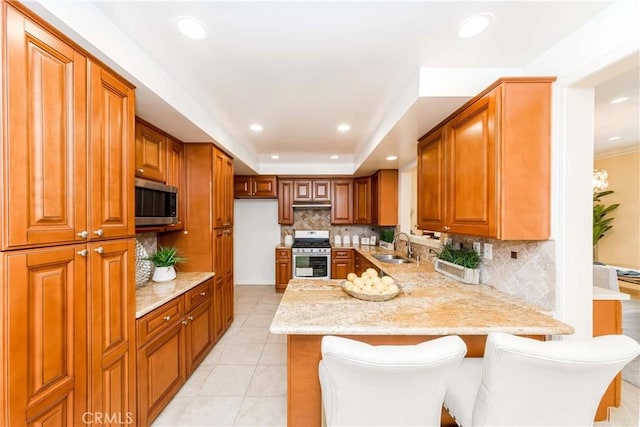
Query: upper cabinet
485, 171
151, 153
341, 205
362, 200
176, 177
285, 201
384, 197
311, 190
254, 187
60, 111
222, 190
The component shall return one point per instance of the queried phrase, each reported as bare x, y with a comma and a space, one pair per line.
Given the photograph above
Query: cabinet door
222, 190
471, 170
200, 335
342, 201
44, 143
161, 372
285, 202
264, 186
228, 280
176, 177
218, 306
302, 191
431, 181
242, 186
384, 197
151, 153
45, 314
283, 269
362, 200
111, 154
340, 268
321, 190
228, 191
111, 310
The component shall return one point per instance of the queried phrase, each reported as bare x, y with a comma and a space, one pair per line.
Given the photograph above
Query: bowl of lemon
370, 286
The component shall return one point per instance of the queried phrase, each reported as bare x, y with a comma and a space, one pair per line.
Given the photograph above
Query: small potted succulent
459, 264
165, 259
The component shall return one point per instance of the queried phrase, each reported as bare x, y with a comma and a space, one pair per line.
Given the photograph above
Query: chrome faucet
409, 248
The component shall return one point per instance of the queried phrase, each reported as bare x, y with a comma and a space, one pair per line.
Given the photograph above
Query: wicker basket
369, 297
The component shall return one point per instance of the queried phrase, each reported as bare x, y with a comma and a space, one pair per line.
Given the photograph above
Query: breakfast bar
428, 307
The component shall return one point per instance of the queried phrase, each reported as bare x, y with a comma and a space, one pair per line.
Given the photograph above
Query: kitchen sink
392, 259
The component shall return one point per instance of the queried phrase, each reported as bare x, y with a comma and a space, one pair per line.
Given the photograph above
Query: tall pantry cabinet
207, 239
67, 226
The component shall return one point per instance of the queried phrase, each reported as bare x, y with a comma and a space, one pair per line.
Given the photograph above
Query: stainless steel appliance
311, 252
156, 203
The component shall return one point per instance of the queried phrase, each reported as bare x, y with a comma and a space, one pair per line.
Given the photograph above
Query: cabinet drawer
342, 254
159, 319
198, 295
283, 253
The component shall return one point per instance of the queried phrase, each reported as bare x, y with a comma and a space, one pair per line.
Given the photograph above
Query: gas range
311, 242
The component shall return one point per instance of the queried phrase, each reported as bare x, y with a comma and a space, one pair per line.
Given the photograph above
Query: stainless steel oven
311, 252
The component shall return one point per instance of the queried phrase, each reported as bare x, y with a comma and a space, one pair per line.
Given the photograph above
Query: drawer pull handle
203, 293
83, 252
140, 170
190, 318
167, 318
83, 234
99, 249
185, 322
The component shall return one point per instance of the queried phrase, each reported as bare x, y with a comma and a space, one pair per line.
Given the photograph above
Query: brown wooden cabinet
176, 178
283, 268
311, 190
223, 190
384, 197
111, 308
342, 201
254, 187
172, 341
151, 152
223, 266
362, 200
361, 264
489, 164
285, 201
342, 263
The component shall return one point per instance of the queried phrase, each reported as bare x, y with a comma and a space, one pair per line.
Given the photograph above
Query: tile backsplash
320, 219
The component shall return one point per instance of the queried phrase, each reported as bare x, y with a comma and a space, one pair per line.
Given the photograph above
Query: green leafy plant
465, 257
166, 256
386, 235
601, 221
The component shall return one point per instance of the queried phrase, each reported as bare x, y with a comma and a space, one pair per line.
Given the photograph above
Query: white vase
164, 274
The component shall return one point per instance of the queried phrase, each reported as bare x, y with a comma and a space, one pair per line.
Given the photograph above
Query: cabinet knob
83, 252
447, 228
98, 232
140, 171
190, 318
167, 318
185, 322
99, 249
83, 234
203, 293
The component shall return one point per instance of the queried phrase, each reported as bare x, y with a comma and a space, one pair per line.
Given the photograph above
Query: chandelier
600, 180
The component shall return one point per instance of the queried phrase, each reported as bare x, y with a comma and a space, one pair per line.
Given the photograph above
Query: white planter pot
164, 274
458, 272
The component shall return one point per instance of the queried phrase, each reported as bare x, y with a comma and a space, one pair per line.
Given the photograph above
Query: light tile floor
242, 382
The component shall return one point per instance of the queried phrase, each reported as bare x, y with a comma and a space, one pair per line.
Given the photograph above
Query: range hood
311, 205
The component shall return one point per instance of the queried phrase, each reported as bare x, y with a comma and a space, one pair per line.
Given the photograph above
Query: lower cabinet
360, 264
172, 341
341, 263
283, 268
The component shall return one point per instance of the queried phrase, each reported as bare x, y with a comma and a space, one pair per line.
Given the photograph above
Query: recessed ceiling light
474, 25
619, 100
256, 127
275, 157
614, 138
344, 127
192, 28
391, 157
335, 156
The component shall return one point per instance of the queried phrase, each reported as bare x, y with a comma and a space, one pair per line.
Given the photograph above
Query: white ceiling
301, 68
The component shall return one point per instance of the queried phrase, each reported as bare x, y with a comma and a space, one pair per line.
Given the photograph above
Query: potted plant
601, 223
386, 238
165, 259
459, 264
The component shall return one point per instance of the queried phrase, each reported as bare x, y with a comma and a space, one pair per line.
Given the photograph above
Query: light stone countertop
604, 294
152, 294
430, 304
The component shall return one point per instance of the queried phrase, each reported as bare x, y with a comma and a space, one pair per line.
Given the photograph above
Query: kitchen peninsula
429, 306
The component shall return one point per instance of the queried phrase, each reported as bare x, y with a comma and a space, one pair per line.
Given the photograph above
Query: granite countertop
430, 304
152, 295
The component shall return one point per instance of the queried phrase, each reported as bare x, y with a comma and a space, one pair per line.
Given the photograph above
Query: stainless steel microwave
156, 203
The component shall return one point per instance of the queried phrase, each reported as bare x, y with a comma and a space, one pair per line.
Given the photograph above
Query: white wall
255, 235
